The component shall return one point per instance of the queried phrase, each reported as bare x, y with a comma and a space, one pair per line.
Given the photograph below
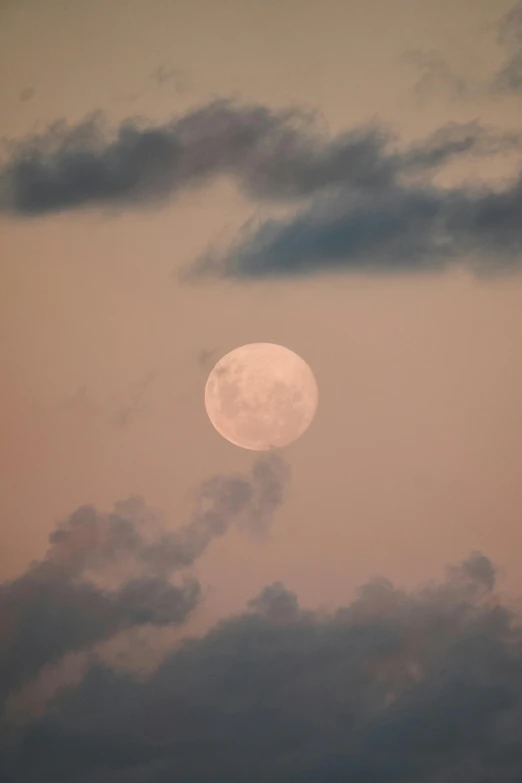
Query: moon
261, 396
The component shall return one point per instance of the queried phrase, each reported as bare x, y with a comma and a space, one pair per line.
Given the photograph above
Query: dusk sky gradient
179, 178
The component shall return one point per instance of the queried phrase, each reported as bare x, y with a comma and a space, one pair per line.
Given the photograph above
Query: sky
181, 178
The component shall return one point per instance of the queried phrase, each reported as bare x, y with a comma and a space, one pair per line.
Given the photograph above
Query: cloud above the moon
421, 686
509, 77
398, 228
280, 155
362, 200
271, 154
436, 75
107, 572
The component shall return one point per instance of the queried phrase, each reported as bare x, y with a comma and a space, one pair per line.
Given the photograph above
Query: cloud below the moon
107, 572
422, 686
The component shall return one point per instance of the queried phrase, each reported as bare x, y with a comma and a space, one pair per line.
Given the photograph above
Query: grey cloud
47, 615
281, 155
71, 167
455, 139
411, 687
400, 228
477, 570
276, 603
104, 573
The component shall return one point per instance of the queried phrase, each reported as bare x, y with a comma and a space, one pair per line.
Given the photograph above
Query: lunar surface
261, 396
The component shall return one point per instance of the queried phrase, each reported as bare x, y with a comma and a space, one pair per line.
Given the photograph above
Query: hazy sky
178, 178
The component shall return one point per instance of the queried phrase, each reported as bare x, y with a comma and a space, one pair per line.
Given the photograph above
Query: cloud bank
411, 687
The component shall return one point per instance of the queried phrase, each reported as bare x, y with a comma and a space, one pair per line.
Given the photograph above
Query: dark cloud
375, 206
398, 228
409, 687
273, 155
104, 573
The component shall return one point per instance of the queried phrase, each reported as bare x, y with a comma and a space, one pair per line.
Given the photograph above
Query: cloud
273, 155
369, 204
399, 228
107, 572
411, 687
509, 78
176, 76
435, 75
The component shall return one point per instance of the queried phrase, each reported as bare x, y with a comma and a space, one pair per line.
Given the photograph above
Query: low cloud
105, 573
414, 687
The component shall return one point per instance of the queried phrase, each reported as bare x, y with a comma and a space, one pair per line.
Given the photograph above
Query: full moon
261, 396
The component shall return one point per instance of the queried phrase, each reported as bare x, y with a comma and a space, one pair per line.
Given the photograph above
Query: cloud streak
411, 687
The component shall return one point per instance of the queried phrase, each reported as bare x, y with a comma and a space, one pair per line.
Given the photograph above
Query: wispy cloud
509, 77
118, 411
436, 75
